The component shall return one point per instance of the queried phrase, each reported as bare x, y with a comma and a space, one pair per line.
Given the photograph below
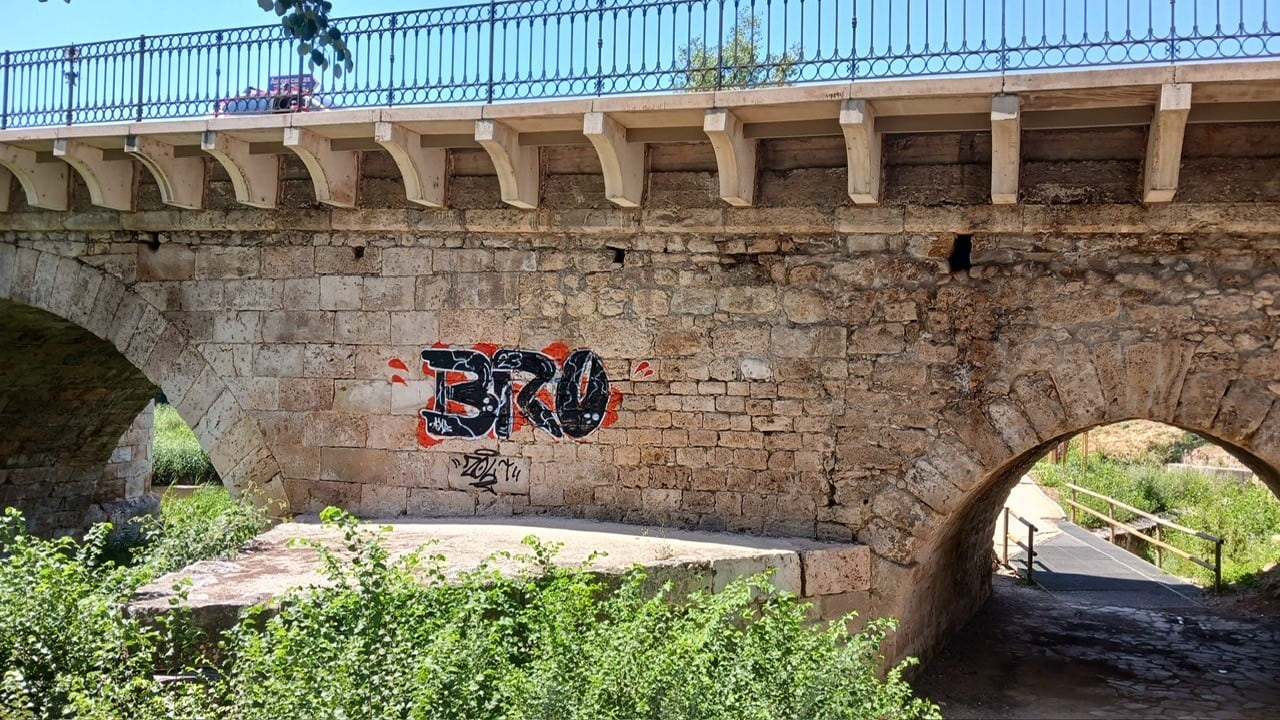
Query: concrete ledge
689, 560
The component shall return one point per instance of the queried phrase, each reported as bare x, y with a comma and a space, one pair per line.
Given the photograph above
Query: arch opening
1094, 610
82, 354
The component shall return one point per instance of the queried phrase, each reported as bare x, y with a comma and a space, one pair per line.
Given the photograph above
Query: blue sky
30, 24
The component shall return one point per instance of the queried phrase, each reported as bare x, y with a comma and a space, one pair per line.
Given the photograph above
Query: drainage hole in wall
961, 253
357, 252
619, 256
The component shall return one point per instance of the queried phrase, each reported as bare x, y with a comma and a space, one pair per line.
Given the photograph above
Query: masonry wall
802, 368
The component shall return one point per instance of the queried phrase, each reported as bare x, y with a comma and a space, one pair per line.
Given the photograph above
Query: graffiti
487, 391
483, 467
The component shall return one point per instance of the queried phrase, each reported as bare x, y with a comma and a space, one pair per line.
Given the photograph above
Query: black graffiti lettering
582, 394
543, 370
483, 466
475, 394
493, 390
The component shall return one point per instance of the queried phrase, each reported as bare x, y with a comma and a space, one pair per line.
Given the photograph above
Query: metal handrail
519, 49
1029, 547
1156, 541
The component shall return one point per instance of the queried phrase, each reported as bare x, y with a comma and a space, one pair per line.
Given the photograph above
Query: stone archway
88, 323
1051, 397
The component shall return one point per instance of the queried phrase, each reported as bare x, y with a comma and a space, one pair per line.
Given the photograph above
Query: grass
178, 458
1244, 515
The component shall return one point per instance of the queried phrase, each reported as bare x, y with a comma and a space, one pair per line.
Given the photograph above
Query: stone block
831, 571
340, 292
425, 502
380, 501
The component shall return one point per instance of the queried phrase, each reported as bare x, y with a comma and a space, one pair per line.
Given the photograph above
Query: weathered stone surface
837, 570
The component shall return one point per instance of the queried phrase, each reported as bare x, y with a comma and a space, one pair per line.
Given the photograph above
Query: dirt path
1029, 654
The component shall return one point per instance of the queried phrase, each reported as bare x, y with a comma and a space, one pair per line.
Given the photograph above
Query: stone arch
986, 446
96, 311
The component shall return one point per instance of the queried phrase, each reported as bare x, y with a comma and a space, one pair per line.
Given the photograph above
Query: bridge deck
1090, 570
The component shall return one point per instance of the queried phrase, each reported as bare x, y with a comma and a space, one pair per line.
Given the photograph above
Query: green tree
741, 62
308, 21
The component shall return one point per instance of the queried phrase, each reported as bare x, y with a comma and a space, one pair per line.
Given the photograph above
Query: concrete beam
256, 178
622, 161
45, 184
1164, 143
181, 179
334, 173
862, 148
735, 156
110, 182
517, 165
424, 169
1006, 148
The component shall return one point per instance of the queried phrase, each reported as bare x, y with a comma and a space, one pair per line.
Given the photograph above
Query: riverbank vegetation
177, 458
393, 638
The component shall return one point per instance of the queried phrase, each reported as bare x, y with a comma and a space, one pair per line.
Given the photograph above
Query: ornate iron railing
494, 51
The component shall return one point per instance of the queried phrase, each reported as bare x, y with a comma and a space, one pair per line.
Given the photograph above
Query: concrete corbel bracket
45, 184
519, 173
862, 148
735, 156
6, 187
256, 178
181, 179
1006, 148
424, 169
334, 173
110, 182
1164, 143
622, 161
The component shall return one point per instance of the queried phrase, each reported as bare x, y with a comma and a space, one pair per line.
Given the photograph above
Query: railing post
1073, 506
391, 90
1031, 552
599, 46
1159, 550
4, 98
720, 48
71, 53
1217, 566
142, 64
1173, 31
493, 46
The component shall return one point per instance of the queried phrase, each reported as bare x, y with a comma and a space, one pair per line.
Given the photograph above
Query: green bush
1244, 515
177, 458
396, 640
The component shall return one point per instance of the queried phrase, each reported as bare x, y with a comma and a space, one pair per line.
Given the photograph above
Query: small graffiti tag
487, 391
484, 466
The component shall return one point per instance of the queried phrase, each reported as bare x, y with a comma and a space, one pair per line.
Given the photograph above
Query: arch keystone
423, 169
1164, 143
735, 156
45, 184
256, 178
334, 173
862, 147
181, 180
517, 165
110, 182
1006, 148
622, 161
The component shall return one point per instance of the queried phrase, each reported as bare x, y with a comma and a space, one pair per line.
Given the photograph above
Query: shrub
177, 458
395, 640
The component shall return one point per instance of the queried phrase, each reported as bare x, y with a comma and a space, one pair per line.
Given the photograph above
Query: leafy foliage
178, 458
396, 639
1244, 515
308, 21
740, 62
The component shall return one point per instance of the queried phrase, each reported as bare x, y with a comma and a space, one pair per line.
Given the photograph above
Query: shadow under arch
85, 353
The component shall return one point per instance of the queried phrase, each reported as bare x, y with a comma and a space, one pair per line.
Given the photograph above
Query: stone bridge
854, 312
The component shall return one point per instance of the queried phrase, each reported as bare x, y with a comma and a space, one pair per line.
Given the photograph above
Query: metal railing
492, 51
1029, 547
1155, 540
